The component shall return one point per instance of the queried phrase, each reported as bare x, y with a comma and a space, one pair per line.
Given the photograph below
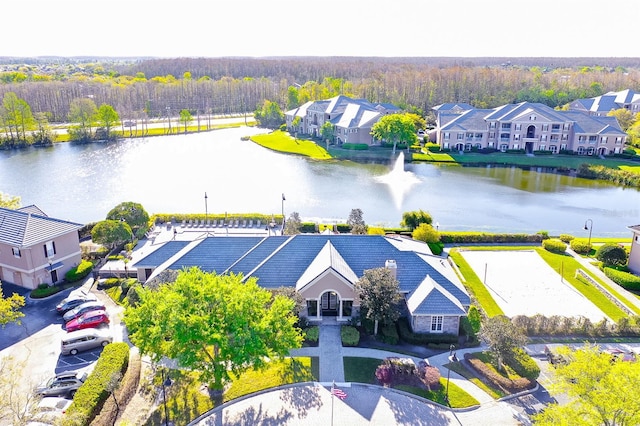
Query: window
516, 137
566, 126
446, 136
492, 125
505, 126
460, 136
504, 137
542, 147
618, 140
555, 127
543, 138
532, 118
563, 147
545, 127
436, 323
553, 148
469, 136
49, 249
603, 140
492, 135
593, 139
518, 127
504, 147
16, 252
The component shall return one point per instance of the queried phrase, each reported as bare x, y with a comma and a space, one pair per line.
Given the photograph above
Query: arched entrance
329, 304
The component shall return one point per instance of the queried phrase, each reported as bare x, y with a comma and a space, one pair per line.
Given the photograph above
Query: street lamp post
51, 271
283, 200
590, 228
165, 382
206, 211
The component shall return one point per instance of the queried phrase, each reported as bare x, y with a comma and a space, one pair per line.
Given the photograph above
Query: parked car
62, 384
49, 411
92, 305
71, 302
89, 319
83, 340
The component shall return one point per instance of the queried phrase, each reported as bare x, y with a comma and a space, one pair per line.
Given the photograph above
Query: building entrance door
329, 304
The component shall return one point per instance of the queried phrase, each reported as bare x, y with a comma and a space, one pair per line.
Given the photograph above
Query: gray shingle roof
20, 228
289, 260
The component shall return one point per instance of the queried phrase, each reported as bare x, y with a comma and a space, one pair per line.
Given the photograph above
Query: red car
90, 319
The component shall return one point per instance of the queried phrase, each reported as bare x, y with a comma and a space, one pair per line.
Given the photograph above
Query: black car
71, 302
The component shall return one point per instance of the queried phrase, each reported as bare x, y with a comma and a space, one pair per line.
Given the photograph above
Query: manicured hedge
489, 373
90, 397
554, 246
312, 334
79, 272
481, 237
423, 339
350, 336
524, 365
624, 279
580, 246
355, 146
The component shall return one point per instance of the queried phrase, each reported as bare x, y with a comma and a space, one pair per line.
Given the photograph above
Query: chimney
391, 265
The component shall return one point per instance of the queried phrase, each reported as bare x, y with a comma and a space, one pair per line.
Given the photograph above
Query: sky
259, 28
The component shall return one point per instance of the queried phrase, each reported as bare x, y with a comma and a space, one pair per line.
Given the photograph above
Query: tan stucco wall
29, 270
328, 282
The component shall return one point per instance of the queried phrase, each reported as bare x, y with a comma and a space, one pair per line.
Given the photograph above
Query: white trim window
436, 323
16, 252
49, 249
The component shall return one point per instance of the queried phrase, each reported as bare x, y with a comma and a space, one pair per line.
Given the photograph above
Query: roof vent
391, 265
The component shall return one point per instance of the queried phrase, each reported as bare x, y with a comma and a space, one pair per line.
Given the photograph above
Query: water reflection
169, 174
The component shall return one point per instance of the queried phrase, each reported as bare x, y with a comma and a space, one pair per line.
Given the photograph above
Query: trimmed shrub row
554, 246
79, 272
423, 339
355, 146
580, 246
489, 373
624, 279
88, 400
481, 237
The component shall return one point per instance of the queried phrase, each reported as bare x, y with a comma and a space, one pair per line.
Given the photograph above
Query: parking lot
35, 343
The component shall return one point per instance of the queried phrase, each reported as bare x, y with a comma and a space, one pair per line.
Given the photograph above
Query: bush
108, 283
611, 254
554, 246
624, 279
79, 272
488, 371
349, 335
580, 246
389, 334
481, 237
436, 248
312, 334
566, 238
524, 365
90, 397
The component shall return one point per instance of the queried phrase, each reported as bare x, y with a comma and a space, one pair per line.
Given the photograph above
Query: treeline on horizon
141, 88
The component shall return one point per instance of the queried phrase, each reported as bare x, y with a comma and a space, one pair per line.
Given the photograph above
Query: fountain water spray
398, 180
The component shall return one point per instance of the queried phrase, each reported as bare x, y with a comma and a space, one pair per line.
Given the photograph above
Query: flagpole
332, 386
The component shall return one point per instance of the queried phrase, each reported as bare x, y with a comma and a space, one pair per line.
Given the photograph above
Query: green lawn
475, 286
564, 161
362, 370
632, 169
186, 399
284, 142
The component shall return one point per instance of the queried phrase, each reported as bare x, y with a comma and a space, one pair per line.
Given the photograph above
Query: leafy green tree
502, 337
293, 224
185, 118
10, 308
43, 134
270, 115
213, 324
9, 201
292, 97
426, 233
111, 233
625, 118
107, 117
601, 391
16, 116
328, 132
356, 222
413, 219
379, 294
395, 128
612, 254
133, 214
82, 112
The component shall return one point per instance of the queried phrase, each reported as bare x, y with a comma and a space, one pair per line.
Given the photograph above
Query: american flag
338, 392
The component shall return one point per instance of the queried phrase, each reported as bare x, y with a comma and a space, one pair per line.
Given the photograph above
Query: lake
171, 174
